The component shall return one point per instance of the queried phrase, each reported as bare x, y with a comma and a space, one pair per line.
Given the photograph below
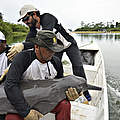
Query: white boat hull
97, 109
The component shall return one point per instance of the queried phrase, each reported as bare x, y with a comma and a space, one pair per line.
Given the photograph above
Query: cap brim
21, 17
19, 20
2, 40
26, 14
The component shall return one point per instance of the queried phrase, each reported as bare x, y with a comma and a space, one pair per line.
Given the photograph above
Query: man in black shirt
32, 18
36, 64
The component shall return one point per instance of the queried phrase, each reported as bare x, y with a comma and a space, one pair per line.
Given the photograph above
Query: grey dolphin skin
44, 95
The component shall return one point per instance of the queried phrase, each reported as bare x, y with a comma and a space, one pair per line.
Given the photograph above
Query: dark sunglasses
2, 41
26, 18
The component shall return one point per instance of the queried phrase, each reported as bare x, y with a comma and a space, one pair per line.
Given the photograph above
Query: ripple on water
113, 95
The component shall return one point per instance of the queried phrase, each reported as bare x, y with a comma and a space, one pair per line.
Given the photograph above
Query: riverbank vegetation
12, 31
98, 27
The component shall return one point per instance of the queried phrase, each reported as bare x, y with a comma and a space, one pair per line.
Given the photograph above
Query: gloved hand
72, 94
5, 72
33, 115
18, 47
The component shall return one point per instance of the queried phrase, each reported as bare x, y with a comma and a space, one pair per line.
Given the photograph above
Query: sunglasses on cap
2, 41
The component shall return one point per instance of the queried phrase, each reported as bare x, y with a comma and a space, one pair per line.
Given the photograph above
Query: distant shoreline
95, 32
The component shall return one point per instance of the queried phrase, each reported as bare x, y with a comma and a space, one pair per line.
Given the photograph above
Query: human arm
4, 74
48, 21
18, 47
12, 84
32, 33
58, 66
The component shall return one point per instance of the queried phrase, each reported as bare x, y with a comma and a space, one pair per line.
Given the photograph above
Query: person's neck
42, 61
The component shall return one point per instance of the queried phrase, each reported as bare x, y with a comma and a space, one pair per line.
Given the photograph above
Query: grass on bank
95, 32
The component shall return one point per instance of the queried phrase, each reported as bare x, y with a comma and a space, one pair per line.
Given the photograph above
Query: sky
70, 13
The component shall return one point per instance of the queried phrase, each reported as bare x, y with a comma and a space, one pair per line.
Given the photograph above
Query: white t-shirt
38, 70
3, 62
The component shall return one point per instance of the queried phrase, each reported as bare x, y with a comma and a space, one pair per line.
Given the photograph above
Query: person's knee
65, 104
61, 107
13, 117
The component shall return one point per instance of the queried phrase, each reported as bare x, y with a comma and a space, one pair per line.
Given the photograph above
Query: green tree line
109, 27
10, 29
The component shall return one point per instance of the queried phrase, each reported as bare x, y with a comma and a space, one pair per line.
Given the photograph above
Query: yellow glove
72, 94
33, 115
5, 72
18, 47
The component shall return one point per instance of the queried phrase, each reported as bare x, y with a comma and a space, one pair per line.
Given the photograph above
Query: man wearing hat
32, 18
36, 64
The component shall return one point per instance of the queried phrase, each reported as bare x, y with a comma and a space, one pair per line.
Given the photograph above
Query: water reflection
110, 46
100, 36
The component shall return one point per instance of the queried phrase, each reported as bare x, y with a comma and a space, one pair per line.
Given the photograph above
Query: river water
110, 46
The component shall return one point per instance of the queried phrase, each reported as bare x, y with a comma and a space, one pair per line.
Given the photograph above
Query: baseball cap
26, 9
46, 38
2, 36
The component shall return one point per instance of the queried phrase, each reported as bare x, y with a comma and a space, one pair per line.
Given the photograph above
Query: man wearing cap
4, 62
36, 64
3, 59
32, 18
3, 51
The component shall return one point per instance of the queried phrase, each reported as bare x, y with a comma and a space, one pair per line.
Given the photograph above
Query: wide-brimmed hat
26, 9
46, 38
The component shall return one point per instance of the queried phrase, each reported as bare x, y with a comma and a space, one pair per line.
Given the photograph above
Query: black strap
48, 69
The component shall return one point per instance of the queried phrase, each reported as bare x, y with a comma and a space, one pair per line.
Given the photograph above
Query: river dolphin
44, 95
